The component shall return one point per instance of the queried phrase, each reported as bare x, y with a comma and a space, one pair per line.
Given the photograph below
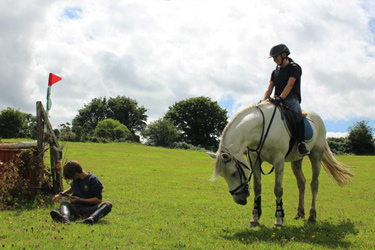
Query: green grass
163, 200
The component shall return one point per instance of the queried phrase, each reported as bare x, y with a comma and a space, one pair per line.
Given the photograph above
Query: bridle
244, 180
240, 165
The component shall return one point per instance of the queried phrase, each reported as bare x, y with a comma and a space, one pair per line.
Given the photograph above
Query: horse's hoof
254, 224
311, 219
278, 223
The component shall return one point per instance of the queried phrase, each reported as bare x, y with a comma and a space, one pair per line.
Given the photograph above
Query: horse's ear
213, 155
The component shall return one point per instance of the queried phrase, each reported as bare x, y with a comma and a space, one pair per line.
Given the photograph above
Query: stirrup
305, 149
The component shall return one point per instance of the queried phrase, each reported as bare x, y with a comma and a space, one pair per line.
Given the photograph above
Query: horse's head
235, 171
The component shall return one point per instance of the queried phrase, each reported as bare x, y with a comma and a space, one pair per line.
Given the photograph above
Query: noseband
240, 165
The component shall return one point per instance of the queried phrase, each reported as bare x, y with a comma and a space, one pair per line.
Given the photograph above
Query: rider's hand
277, 100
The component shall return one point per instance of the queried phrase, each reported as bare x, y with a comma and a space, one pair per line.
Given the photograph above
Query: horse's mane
263, 103
226, 148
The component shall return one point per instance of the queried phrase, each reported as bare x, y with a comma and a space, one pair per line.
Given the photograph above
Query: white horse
259, 131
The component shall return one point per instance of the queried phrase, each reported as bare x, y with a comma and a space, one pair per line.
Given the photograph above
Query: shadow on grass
321, 233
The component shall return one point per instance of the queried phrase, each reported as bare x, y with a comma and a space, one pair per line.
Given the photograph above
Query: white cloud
337, 134
160, 52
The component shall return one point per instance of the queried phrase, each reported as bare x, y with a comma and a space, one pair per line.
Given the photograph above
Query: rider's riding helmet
278, 49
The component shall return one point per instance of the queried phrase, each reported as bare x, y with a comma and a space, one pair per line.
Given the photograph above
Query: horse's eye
225, 157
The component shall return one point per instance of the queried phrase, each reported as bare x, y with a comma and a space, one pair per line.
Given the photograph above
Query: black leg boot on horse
302, 147
62, 215
102, 211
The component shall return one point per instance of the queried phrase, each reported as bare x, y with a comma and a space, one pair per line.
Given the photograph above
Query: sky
160, 52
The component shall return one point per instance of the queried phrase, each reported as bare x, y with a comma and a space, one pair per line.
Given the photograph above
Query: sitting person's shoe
89, 221
303, 149
57, 217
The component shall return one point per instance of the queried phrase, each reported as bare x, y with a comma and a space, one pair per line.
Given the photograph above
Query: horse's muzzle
240, 199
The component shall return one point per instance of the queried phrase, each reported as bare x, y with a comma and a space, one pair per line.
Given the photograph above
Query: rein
258, 150
240, 165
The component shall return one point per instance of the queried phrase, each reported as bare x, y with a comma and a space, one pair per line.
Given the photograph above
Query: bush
339, 146
161, 132
24, 182
187, 146
111, 130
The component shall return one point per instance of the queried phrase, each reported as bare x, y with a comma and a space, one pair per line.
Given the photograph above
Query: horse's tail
337, 170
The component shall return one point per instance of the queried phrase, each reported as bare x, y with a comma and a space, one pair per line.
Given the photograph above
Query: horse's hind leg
257, 211
301, 182
316, 165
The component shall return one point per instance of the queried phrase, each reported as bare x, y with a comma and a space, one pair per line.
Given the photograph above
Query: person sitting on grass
86, 199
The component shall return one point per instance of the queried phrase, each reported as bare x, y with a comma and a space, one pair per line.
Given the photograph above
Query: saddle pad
308, 128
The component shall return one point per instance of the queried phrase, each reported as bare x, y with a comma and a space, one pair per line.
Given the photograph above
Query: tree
122, 109
339, 145
126, 111
65, 132
31, 130
199, 120
112, 130
360, 138
12, 123
161, 132
88, 117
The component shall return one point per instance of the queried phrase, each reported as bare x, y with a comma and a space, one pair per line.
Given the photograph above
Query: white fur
245, 130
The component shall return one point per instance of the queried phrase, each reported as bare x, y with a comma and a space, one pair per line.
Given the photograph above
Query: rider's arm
268, 91
288, 87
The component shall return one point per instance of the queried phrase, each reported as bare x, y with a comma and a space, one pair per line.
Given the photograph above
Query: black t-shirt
280, 77
87, 188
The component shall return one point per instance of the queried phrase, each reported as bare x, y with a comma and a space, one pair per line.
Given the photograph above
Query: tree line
192, 123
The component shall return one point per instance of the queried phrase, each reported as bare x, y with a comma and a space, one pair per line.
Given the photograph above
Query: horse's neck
244, 131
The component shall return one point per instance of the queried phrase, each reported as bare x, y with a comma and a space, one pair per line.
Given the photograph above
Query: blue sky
161, 52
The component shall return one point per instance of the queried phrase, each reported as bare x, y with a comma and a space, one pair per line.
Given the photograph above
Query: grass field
163, 200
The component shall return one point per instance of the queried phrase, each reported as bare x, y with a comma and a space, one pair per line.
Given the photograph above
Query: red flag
53, 79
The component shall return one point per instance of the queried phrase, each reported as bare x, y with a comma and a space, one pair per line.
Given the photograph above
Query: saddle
288, 117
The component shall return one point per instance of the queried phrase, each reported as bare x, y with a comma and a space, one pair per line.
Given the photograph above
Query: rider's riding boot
303, 149
62, 216
102, 211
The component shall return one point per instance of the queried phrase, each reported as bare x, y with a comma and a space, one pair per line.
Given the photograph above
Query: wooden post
45, 133
40, 131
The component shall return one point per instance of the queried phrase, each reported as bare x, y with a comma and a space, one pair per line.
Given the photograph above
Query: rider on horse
286, 79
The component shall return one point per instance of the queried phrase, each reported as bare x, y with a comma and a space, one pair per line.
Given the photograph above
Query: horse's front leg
257, 211
278, 190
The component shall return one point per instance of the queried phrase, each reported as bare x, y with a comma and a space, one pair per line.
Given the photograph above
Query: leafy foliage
161, 132
121, 108
360, 138
88, 117
126, 111
112, 130
15, 124
24, 181
199, 120
339, 145
65, 132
